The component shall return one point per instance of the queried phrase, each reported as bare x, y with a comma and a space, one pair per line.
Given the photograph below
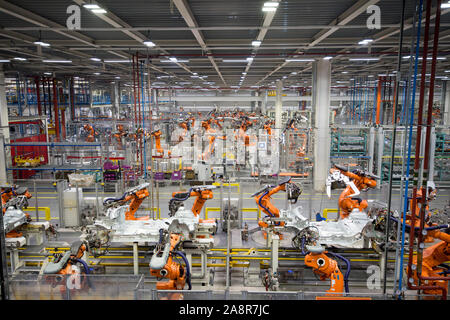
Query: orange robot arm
136, 201
201, 196
162, 265
210, 150
263, 197
157, 134
326, 268
263, 201
434, 258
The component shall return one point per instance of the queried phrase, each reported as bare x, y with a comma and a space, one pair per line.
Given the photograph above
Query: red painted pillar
63, 115
38, 95
55, 110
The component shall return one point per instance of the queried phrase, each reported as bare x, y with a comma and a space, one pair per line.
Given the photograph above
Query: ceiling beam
38, 20
343, 19
262, 33
116, 22
189, 18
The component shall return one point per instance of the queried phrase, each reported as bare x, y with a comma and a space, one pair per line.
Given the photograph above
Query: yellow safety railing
227, 184
258, 213
207, 210
326, 210
155, 209
48, 217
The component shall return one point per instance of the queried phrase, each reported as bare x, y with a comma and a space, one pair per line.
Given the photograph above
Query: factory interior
225, 150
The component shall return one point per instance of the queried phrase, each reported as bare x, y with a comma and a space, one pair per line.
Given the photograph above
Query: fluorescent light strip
271, 4
96, 59
57, 61
91, 6
98, 10
364, 59
428, 58
149, 43
4, 61
299, 60
20, 59
117, 61
173, 61
42, 44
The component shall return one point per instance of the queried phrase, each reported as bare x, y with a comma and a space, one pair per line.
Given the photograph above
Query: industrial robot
202, 193
430, 196
355, 182
14, 199
69, 270
263, 197
433, 261
164, 264
119, 134
326, 268
159, 150
135, 196
91, 133
317, 258
211, 136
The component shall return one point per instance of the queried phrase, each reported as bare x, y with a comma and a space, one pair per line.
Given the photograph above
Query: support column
264, 103
446, 118
4, 128
278, 104
321, 106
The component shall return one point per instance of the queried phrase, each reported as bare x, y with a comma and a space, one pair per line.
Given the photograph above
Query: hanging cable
397, 81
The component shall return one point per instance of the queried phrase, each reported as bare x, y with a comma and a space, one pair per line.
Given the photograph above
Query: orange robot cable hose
266, 206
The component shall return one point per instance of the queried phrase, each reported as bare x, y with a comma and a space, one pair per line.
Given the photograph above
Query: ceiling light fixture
91, 6
256, 43
42, 44
364, 59
172, 61
271, 4
98, 10
20, 59
96, 59
328, 58
57, 61
4, 60
269, 9
365, 41
149, 43
117, 61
